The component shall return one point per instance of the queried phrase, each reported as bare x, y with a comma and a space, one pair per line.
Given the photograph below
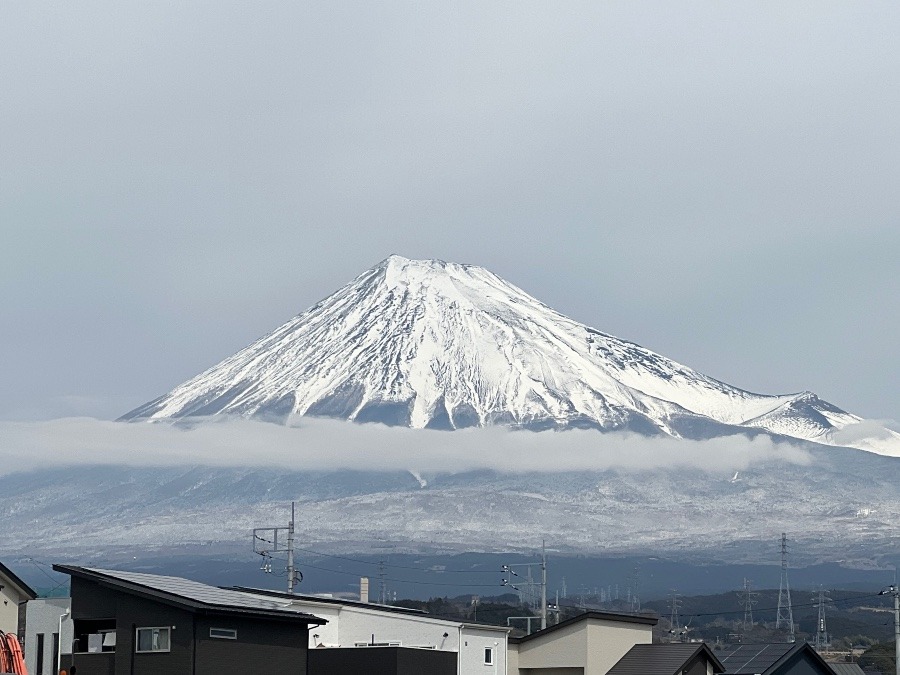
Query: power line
385, 564
406, 581
772, 609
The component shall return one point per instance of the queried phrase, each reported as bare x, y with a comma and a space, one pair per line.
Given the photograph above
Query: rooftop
759, 659
190, 594
643, 619
23, 588
663, 659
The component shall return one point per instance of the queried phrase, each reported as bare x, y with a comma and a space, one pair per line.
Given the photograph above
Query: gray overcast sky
716, 181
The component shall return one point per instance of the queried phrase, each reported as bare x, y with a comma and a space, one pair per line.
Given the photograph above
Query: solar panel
198, 592
749, 659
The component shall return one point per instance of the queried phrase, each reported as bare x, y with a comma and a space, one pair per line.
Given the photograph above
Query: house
587, 644
798, 658
399, 633
130, 623
46, 619
692, 658
846, 668
14, 593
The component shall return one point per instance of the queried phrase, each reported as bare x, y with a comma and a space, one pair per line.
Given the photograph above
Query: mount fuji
431, 344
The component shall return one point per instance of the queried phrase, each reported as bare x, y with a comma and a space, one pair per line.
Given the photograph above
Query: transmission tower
822, 643
747, 601
634, 584
382, 594
785, 618
674, 606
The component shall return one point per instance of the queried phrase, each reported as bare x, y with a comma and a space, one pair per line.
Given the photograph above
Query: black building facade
142, 624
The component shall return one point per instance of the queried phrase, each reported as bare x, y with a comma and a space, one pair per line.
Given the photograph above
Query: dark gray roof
763, 659
193, 594
846, 668
644, 619
663, 659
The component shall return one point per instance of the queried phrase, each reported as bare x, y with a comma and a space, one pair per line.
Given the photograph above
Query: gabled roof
664, 659
764, 658
191, 595
603, 616
21, 586
846, 668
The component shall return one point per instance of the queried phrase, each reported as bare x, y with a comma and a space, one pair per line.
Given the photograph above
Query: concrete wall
42, 617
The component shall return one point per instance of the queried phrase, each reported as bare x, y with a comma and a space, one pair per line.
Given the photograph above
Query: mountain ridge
432, 344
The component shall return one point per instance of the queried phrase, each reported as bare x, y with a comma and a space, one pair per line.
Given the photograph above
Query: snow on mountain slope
425, 343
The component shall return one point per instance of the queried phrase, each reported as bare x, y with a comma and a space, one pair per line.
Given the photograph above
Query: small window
223, 633
488, 656
152, 639
378, 644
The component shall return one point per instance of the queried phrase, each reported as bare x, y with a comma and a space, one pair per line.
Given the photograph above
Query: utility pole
269, 540
292, 577
543, 585
894, 591
508, 572
785, 617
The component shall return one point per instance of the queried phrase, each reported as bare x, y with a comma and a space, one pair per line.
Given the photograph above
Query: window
378, 644
488, 656
39, 654
93, 636
152, 639
223, 633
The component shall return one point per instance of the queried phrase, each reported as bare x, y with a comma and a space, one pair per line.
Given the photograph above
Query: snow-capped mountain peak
427, 343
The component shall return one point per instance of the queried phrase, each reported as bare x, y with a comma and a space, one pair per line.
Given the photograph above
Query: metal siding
261, 647
381, 660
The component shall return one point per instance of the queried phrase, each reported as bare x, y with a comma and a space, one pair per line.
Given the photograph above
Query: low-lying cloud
325, 445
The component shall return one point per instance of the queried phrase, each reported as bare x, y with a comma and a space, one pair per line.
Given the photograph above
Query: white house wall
42, 616
9, 607
351, 624
471, 656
